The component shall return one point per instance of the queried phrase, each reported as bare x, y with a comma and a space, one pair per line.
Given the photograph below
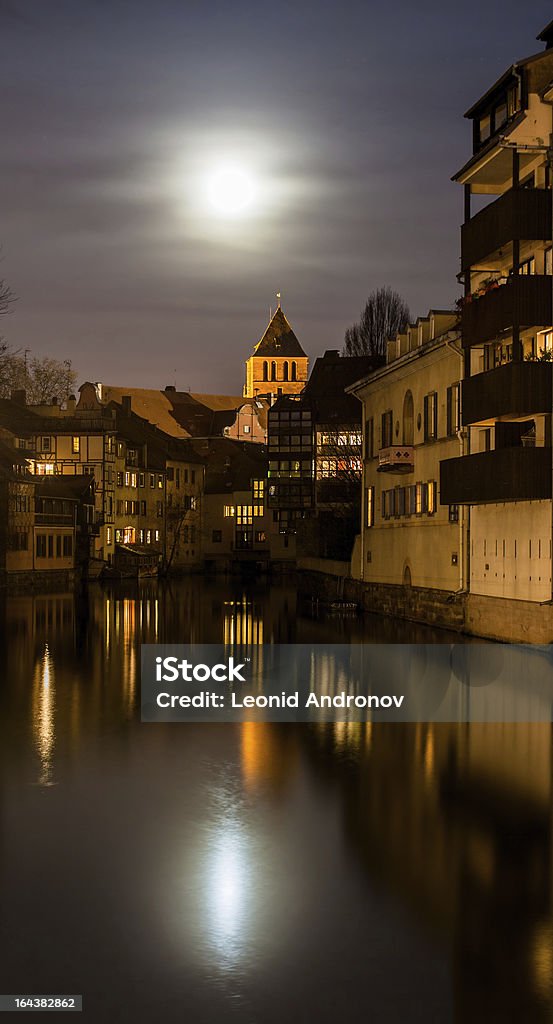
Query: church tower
278, 364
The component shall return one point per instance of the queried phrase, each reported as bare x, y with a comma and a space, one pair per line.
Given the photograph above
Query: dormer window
485, 128
500, 115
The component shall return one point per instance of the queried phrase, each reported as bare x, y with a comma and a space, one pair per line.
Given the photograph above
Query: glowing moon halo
231, 191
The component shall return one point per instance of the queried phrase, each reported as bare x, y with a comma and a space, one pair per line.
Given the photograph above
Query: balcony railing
396, 459
524, 301
521, 214
53, 519
505, 474
514, 389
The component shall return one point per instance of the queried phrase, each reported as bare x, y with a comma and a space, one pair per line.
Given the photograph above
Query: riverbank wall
487, 617
37, 582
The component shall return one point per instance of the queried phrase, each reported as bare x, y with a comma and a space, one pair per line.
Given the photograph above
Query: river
258, 873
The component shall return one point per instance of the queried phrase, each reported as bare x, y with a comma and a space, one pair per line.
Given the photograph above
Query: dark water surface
258, 873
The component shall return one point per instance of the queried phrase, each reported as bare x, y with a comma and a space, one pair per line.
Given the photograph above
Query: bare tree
7, 297
42, 378
385, 315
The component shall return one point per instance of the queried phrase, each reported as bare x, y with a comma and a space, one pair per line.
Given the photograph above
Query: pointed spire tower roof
279, 339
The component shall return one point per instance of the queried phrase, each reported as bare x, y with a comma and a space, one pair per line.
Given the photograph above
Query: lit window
370, 506
432, 489
76, 445
418, 499
229, 511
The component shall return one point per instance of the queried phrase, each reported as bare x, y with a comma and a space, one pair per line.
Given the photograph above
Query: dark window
387, 428
431, 416
453, 418
216, 536
41, 545
67, 546
369, 438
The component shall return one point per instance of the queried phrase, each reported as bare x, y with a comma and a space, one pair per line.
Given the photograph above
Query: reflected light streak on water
542, 960
227, 900
43, 713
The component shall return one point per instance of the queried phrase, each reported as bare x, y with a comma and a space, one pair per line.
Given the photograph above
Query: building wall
184, 501
260, 382
219, 528
139, 502
19, 533
59, 543
424, 549
510, 550
247, 425
84, 451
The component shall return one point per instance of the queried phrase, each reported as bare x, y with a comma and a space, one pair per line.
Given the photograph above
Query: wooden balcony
398, 458
505, 474
523, 301
521, 214
514, 389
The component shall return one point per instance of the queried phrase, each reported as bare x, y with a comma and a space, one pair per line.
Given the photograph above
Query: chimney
170, 387
126, 402
71, 403
54, 400
19, 396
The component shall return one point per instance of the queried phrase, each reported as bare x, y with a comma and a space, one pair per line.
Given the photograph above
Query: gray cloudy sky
348, 115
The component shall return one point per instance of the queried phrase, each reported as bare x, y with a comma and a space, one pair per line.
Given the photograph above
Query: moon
231, 191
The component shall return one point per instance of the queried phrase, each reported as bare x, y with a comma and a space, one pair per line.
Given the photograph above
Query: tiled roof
279, 339
231, 465
155, 406
72, 486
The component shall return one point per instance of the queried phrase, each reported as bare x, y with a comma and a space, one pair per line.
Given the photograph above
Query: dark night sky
348, 114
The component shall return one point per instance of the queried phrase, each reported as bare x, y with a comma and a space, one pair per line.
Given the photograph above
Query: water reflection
283, 867
227, 891
43, 716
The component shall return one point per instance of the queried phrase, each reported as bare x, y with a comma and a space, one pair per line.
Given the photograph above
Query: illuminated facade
410, 423
504, 478
278, 364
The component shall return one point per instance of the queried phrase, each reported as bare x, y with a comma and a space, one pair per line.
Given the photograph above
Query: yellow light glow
231, 191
